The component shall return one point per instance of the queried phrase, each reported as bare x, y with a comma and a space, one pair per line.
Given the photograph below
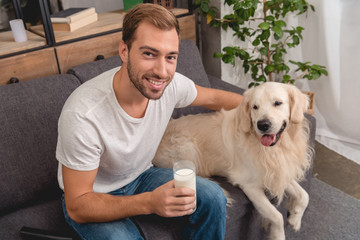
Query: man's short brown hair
155, 14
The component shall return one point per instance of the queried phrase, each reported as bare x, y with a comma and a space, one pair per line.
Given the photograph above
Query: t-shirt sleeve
185, 90
79, 145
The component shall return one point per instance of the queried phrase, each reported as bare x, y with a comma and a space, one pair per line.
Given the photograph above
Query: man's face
152, 59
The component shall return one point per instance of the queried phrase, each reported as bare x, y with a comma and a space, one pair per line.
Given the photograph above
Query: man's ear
123, 51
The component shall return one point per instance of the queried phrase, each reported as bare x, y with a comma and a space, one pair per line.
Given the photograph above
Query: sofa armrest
217, 83
37, 233
214, 82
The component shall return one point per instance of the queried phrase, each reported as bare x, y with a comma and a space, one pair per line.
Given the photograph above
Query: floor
336, 170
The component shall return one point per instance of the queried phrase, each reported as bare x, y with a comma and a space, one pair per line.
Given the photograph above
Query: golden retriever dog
259, 146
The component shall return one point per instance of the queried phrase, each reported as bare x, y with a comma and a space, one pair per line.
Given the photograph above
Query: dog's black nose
264, 125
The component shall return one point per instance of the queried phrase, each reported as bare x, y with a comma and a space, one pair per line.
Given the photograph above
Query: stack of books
72, 19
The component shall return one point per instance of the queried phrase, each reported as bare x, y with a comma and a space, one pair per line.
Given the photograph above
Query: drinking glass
185, 175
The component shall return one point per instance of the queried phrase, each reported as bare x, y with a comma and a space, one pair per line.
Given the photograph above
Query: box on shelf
72, 26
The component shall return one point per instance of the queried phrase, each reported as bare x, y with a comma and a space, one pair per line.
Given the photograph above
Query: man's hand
168, 201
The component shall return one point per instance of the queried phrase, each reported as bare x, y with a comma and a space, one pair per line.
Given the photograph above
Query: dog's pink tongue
267, 140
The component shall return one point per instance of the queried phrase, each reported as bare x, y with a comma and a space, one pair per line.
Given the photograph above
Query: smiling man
109, 131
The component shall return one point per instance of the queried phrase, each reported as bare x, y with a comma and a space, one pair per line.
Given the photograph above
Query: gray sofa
29, 193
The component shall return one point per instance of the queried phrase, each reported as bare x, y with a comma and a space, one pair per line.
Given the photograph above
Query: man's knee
210, 193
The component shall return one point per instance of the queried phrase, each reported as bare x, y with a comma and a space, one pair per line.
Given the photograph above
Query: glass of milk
185, 175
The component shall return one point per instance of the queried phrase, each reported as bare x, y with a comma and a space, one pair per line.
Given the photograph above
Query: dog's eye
277, 103
255, 107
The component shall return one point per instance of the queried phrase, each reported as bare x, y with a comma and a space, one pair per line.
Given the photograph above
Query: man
111, 126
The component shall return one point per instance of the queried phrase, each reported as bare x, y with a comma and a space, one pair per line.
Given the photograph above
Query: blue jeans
207, 222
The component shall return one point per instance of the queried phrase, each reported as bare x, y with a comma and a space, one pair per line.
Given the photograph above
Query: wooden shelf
8, 45
107, 21
84, 51
25, 66
28, 66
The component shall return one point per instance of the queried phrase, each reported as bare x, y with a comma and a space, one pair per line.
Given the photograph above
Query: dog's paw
296, 214
294, 220
277, 234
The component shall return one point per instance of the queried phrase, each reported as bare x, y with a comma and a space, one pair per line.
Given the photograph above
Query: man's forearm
227, 100
102, 207
215, 99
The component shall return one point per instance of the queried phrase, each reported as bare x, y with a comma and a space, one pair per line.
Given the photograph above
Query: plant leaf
256, 42
264, 25
218, 55
278, 31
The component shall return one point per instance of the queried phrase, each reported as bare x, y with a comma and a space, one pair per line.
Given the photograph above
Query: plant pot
128, 4
312, 102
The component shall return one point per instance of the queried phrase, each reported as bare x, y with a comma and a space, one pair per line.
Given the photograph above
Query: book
71, 15
69, 27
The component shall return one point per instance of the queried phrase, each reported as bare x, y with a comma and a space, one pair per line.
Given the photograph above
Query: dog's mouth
270, 140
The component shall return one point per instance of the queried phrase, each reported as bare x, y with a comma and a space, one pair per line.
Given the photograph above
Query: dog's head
269, 108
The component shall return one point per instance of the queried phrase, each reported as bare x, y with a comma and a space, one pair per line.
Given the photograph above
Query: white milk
185, 178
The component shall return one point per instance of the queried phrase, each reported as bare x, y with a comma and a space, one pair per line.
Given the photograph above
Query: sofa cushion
46, 216
29, 113
189, 64
90, 70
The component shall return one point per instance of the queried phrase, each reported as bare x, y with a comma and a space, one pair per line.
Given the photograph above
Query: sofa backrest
189, 64
29, 113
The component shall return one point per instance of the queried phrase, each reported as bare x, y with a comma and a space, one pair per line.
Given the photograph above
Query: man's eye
172, 57
149, 54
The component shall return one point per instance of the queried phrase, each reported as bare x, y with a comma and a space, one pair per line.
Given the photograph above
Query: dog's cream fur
229, 144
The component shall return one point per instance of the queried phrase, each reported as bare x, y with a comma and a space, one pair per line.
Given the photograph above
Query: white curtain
332, 39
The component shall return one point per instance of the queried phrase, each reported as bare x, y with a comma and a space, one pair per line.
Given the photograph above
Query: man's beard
138, 83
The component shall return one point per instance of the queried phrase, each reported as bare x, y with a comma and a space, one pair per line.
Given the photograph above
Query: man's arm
84, 205
215, 99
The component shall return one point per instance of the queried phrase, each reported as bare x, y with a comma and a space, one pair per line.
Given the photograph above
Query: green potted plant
261, 23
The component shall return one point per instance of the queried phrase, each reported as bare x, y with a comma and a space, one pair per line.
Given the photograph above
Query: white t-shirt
95, 132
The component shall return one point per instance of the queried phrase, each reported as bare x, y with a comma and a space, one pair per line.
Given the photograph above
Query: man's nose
160, 68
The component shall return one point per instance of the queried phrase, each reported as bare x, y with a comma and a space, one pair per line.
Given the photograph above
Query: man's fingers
183, 191
169, 201
180, 210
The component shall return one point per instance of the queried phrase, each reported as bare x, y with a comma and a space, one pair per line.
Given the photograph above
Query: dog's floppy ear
244, 112
299, 103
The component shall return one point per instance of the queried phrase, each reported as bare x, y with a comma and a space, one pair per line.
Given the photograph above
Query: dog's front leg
297, 204
267, 210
